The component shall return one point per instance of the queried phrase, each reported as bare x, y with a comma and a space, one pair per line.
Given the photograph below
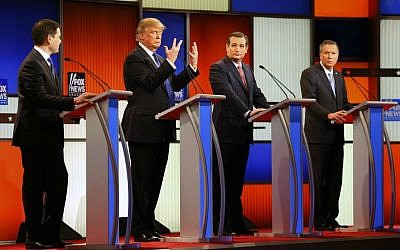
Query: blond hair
146, 23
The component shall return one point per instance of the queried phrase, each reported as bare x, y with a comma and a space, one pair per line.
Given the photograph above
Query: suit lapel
147, 58
51, 79
151, 62
235, 72
325, 81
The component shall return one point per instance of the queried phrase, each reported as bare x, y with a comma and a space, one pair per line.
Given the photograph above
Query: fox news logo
76, 83
3, 92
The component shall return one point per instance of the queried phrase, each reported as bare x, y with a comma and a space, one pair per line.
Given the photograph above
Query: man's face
55, 41
151, 37
237, 49
329, 55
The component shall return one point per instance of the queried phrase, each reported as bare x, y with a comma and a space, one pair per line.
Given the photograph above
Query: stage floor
328, 240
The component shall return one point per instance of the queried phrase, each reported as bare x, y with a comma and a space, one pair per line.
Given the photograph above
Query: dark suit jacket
38, 123
150, 97
228, 115
315, 84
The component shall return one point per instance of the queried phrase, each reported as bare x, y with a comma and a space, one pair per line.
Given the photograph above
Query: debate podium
287, 174
368, 182
196, 212
102, 194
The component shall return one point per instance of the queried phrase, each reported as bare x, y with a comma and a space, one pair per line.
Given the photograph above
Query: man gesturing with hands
152, 80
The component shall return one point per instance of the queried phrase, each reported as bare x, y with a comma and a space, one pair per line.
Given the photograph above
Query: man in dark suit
152, 80
39, 132
235, 80
325, 132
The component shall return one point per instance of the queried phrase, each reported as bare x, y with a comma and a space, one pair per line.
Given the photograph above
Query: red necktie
241, 73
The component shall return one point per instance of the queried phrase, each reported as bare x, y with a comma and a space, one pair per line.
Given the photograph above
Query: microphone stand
362, 89
276, 81
98, 80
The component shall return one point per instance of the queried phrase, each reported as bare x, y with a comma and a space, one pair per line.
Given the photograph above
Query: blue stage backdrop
16, 21
176, 28
390, 7
284, 7
259, 165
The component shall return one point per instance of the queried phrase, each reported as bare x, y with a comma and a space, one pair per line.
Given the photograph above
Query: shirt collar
43, 53
326, 70
237, 64
148, 51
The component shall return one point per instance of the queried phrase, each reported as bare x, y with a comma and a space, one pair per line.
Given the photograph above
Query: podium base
356, 229
214, 239
103, 246
290, 235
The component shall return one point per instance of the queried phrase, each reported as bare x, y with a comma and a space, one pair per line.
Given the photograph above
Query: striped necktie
167, 84
53, 70
241, 73
332, 82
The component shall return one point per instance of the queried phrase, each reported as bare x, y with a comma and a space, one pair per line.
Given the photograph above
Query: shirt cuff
170, 63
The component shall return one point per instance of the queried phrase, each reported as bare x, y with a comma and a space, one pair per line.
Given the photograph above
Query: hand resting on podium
339, 117
84, 98
256, 111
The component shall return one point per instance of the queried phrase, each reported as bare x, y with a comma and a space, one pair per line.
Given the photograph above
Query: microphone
362, 88
99, 81
195, 82
278, 82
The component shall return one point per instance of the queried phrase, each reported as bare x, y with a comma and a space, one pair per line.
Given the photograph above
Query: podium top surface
266, 115
173, 113
80, 110
365, 105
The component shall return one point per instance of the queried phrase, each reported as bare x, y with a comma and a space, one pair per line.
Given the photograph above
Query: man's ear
48, 39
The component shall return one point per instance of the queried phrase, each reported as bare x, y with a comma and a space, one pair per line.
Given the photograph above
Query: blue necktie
53, 70
332, 82
167, 84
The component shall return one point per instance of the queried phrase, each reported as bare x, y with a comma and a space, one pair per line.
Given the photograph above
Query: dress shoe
245, 231
56, 243
335, 224
37, 245
230, 233
324, 227
145, 237
157, 234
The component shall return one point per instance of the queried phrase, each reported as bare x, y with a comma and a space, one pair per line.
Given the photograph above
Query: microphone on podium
362, 89
98, 80
278, 82
195, 82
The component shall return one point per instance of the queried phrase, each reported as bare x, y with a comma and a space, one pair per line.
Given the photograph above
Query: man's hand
256, 111
338, 117
172, 53
194, 56
85, 97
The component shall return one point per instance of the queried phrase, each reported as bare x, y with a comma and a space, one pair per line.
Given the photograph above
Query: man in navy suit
39, 132
234, 79
325, 132
152, 80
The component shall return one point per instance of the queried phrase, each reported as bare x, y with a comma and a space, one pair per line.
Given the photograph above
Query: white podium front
102, 202
196, 213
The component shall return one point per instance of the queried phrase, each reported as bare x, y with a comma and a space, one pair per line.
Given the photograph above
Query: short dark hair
41, 29
237, 34
327, 42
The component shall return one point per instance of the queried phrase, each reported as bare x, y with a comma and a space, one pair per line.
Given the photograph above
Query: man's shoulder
220, 63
